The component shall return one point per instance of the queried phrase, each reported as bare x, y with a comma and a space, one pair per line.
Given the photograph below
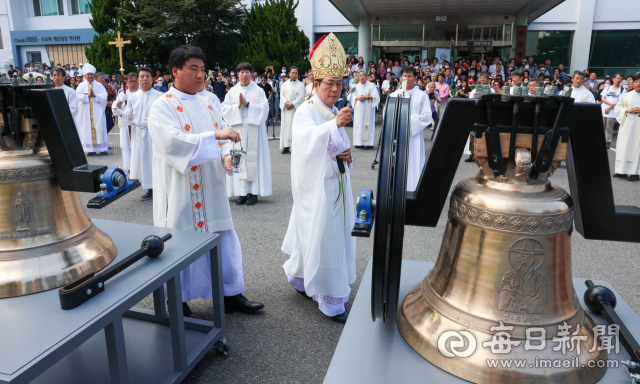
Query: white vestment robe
582, 95
211, 97
72, 100
293, 92
628, 144
189, 185
364, 117
123, 126
137, 112
92, 127
251, 122
322, 251
420, 119
308, 89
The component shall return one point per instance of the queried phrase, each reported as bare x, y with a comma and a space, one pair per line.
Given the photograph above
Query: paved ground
290, 341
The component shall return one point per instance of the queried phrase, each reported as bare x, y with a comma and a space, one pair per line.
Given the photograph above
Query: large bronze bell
46, 238
505, 259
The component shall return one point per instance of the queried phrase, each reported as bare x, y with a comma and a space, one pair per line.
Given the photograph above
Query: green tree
271, 37
163, 25
106, 21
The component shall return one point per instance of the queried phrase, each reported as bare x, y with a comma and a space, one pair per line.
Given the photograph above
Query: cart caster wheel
221, 346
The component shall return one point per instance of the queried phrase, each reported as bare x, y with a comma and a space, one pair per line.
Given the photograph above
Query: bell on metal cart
46, 238
504, 266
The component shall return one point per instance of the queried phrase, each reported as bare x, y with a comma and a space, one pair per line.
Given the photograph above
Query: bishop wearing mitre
420, 108
245, 109
91, 121
124, 125
292, 95
137, 111
628, 144
322, 262
191, 146
365, 99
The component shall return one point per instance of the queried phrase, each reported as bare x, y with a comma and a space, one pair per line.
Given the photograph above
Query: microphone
340, 164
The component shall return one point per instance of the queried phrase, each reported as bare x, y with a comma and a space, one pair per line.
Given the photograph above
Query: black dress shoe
285, 150
103, 153
186, 311
91, 153
241, 200
633, 178
252, 199
304, 294
341, 318
469, 160
369, 147
148, 195
240, 303
619, 175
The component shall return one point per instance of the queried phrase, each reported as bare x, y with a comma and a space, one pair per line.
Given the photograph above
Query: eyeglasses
333, 85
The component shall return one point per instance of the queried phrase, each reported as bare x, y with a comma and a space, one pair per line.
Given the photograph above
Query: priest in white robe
137, 112
420, 119
579, 93
245, 109
292, 95
364, 99
191, 145
309, 90
124, 125
91, 124
322, 262
57, 76
628, 144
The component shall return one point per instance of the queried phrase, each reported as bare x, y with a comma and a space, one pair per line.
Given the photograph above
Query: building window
36, 57
48, 7
481, 32
614, 52
349, 41
553, 45
80, 7
401, 32
64, 54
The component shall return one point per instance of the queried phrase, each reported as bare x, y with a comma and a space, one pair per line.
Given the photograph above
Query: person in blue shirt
447, 76
160, 87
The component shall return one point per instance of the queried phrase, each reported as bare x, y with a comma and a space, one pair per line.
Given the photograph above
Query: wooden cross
120, 42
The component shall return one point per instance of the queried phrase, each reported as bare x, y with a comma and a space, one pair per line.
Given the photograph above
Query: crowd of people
179, 130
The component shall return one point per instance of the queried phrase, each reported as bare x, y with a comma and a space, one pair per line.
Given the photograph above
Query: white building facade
602, 35
44, 31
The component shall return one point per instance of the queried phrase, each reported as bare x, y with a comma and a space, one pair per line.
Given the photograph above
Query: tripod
272, 99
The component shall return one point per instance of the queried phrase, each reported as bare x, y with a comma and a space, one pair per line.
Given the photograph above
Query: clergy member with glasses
322, 262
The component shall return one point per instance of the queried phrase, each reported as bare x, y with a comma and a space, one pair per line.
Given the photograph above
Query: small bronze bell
505, 259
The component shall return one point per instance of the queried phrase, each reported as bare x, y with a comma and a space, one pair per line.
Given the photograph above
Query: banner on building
521, 42
443, 54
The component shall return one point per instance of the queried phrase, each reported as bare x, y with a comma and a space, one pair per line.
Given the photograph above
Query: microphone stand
273, 118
